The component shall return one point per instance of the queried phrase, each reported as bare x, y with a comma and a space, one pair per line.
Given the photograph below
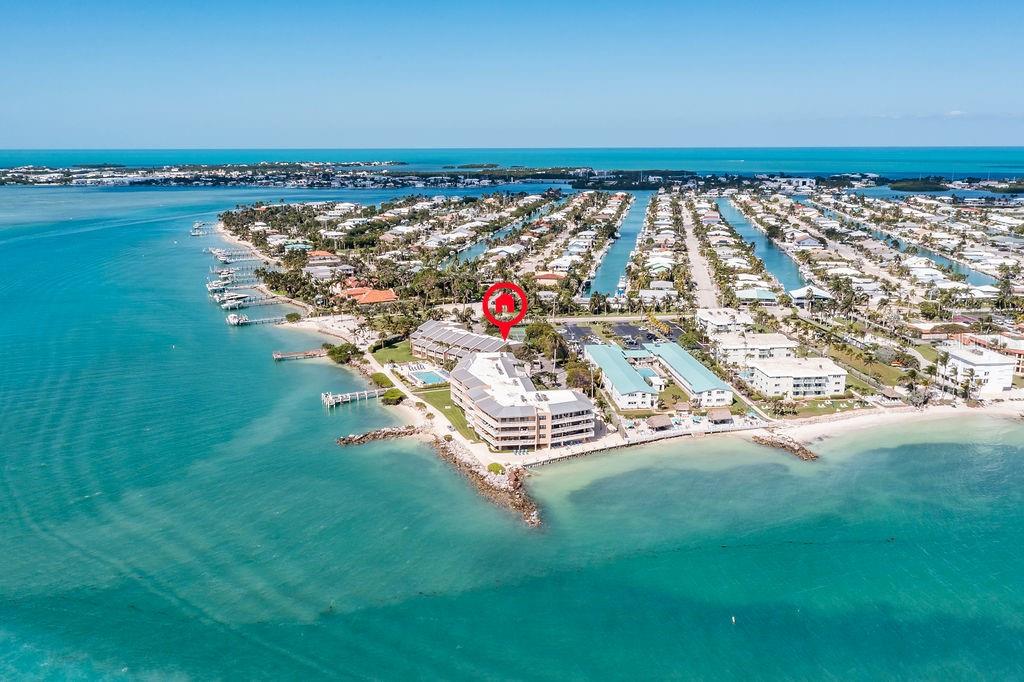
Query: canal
974, 278
613, 267
777, 261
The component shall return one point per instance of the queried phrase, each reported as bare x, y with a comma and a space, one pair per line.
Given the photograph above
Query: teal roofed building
627, 387
703, 385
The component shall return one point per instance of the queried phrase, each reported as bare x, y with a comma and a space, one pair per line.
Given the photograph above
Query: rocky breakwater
791, 445
378, 434
505, 487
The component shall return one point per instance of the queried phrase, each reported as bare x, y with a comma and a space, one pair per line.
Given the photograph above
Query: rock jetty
786, 443
378, 434
504, 489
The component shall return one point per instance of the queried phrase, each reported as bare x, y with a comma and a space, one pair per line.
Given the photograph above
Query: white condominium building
798, 377
741, 349
723, 320
990, 373
508, 412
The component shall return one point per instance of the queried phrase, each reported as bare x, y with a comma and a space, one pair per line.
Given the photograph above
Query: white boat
229, 296
236, 320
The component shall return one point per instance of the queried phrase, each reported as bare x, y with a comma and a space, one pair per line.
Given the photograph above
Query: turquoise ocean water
888, 161
172, 505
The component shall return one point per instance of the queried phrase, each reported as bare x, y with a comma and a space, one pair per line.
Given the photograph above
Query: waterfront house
369, 296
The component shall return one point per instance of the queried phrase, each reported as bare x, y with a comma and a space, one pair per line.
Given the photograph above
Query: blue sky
424, 74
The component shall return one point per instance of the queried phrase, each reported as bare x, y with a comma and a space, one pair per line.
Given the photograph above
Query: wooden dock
242, 320
281, 356
331, 399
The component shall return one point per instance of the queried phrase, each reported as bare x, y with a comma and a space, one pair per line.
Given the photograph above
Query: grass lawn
638, 414
814, 408
859, 385
441, 398
928, 351
886, 374
400, 352
1018, 381
672, 395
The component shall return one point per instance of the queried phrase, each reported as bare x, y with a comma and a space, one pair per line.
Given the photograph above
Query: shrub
343, 353
495, 468
381, 380
393, 396
293, 317
448, 438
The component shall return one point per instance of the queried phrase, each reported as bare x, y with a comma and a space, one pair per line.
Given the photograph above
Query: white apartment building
741, 349
990, 373
507, 411
723, 320
798, 377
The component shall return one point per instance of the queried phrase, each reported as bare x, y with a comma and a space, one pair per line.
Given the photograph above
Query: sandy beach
820, 428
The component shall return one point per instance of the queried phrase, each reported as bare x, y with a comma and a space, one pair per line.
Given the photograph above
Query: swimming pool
429, 378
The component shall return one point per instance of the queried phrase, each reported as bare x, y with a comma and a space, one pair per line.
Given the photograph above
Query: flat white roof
724, 315
509, 385
976, 355
798, 367
733, 340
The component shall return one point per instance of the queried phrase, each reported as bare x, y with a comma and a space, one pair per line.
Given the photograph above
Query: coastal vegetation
392, 396
381, 380
927, 184
344, 353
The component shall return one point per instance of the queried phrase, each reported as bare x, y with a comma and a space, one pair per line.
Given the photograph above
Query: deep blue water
775, 259
887, 161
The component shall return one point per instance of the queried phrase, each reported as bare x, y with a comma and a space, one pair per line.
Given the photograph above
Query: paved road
706, 293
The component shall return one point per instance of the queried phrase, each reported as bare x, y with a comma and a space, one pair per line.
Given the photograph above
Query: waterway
778, 262
974, 277
613, 267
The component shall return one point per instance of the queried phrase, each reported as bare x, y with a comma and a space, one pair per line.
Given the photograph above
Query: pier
281, 356
331, 399
243, 320
249, 302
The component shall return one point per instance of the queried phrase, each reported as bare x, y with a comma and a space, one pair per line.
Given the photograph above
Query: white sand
818, 428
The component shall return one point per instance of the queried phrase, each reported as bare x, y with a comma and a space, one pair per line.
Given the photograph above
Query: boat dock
281, 356
248, 302
332, 399
243, 320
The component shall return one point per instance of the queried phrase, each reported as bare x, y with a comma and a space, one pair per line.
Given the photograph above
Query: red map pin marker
509, 300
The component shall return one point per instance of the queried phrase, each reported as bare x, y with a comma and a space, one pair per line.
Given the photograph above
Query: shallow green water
172, 504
